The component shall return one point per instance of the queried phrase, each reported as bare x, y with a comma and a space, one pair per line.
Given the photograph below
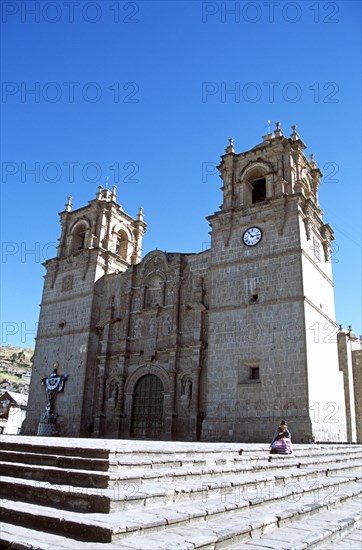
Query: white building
12, 412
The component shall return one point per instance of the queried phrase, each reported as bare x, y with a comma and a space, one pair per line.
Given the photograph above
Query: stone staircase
89, 494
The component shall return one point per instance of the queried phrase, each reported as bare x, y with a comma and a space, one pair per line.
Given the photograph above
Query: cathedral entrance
147, 410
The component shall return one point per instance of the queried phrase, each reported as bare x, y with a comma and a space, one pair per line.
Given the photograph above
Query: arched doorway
147, 409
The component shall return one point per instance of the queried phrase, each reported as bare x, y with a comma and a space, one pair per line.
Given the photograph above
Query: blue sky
147, 94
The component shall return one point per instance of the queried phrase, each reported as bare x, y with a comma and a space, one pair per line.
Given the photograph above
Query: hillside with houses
15, 369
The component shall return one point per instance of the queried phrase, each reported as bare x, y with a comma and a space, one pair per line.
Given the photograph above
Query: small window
254, 299
258, 190
248, 372
254, 373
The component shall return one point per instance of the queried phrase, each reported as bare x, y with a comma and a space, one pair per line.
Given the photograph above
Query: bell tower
271, 308
96, 240
104, 227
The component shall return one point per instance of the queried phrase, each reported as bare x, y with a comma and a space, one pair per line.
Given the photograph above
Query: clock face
252, 236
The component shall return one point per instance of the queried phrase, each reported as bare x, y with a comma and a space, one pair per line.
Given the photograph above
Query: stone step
236, 464
85, 463
143, 481
237, 454
304, 450
124, 496
59, 461
240, 463
64, 461
263, 459
131, 449
139, 492
310, 454
215, 524
331, 529
221, 532
48, 447
221, 535
99, 478
58, 476
323, 461
170, 476
214, 500
64, 497
30, 482
314, 457
348, 539
103, 448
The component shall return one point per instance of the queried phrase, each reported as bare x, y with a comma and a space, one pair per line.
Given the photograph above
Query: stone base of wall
47, 430
255, 430
47, 426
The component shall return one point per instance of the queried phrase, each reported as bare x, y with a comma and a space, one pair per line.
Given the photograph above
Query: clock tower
272, 329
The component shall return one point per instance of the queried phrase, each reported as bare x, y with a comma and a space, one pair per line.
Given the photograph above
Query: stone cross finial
140, 214
68, 206
270, 135
295, 134
278, 131
230, 148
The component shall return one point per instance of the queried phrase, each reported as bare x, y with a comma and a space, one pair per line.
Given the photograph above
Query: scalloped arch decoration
155, 261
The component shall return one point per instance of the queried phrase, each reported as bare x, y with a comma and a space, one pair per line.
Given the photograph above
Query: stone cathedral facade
214, 346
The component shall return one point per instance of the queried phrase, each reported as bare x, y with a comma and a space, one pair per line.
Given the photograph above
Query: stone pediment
153, 262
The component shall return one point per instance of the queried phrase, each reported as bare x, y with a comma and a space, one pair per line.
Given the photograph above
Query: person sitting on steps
281, 442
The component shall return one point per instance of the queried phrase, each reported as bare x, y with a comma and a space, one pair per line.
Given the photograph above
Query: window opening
254, 373
259, 190
81, 240
79, 237
118, 246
